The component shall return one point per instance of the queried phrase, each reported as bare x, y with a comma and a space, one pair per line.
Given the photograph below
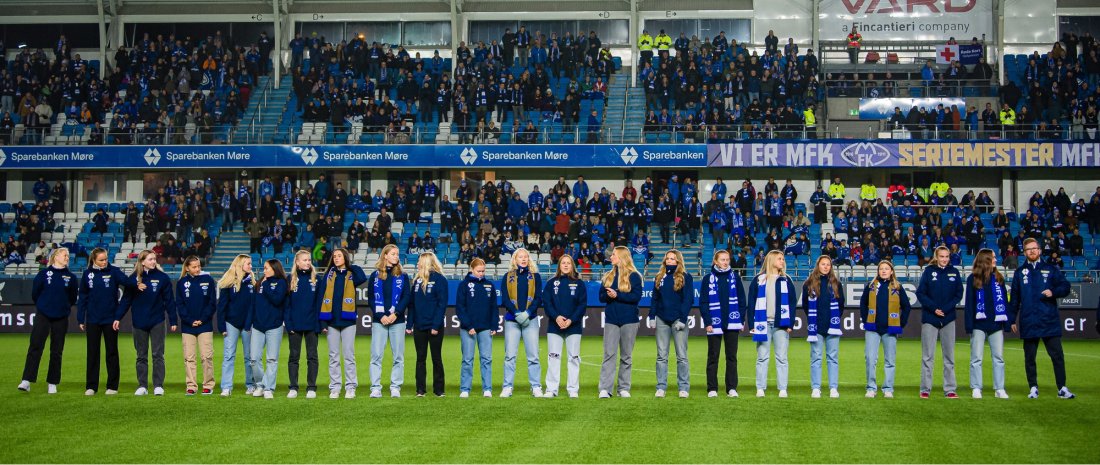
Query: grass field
70, 428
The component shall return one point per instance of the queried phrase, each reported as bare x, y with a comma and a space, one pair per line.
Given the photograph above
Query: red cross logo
947, 54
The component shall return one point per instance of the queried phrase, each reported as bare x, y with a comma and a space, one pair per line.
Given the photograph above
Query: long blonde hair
381, 264
139, 269
532, 267
625, 269
769, 263
187, 261
813, 283
677, 275
984, 269
894, 284
425, 265
294, 271
235, 274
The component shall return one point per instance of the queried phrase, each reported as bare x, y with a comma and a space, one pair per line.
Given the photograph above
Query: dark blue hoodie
387, 296
235, 306
670, 305
567, 297
623, 309
940, 288
989, 325
97, 302
521, 304
882, 325
196, 300
305, 303
429, 303
269, 304
54, 292
824, 301
722, 293
358, 277
149, 306
476, 304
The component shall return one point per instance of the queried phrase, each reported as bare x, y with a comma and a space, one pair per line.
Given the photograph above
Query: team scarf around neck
511, 286
347, 301
998, 302
760, 317
395, 294
893, 316
714, 309
834, 318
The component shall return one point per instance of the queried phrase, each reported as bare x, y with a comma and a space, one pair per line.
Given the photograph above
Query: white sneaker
52, 389
574, 394
815, 394
660, 393
1034, 393
834, 394
976, 393
158, 391
487, 394
536, 392
292, 394
226, 392
887, 394
25, 386
782, 393
624, 394
759, 393
395, 393
732, 393
334, 394
463, 395
249, 391
712, 393
257, 393
349, 393
311, 394
90, 392
269, 394
1000, 394
111, 392
506, 392
870, 394
375, 393
605, 395
549, 395
141, 392
1065, 394
683, 394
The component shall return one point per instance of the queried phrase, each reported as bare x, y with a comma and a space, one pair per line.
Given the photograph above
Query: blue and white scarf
998, 303
714, 309
760, 316
395, 295
834, 318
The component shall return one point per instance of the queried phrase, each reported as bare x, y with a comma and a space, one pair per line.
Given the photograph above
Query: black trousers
55, 329
296, 355
422, 340
255, 245
714, 347
110, 340
1054, 349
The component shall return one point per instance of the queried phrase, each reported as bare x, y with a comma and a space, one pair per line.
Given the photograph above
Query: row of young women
256, 310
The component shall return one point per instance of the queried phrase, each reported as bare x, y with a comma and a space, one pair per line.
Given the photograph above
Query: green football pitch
69, 427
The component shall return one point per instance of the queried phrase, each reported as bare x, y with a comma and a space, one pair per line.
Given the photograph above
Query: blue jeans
484, 342
380, 334
977, 351
229, 355
782, 341
889, 344
831, 344
264, 375
530, 336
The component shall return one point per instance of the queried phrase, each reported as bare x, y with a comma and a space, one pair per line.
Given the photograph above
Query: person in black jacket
426, 315
1036, 289
54, 294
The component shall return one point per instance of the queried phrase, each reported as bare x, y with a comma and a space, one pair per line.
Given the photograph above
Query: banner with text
887, 154
906, 20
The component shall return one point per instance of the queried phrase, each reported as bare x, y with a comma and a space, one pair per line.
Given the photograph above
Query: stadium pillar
634, 30
276, 61
456, 32
103, 67
814, 19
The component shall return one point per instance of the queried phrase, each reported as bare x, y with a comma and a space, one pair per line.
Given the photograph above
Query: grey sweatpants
946, 336
142, 342
341, 341
680, 339
617, 340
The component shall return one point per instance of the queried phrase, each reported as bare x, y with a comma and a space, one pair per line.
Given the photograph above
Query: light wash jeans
229, 355
341, 341
264, 369
513, 334
977, 351
782, 342
679, 338
889, 344
483, 340
831, 345
380, 334
572, 344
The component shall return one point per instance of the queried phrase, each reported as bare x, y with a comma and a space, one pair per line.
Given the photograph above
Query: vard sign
903, 20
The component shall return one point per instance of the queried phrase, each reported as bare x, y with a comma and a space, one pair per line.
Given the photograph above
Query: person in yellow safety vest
855, 40
645, 47
836, 193
1008, 120
940, 188
868, 192
811, 122
663, 43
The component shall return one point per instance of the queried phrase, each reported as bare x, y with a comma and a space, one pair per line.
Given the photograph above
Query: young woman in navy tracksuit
236, 294
771, 304
196, 303
722, 305
54, 293
267, 328
388, 291
823, 301
340, 319
476, 307
620, 289
673, 296
149, 309
426, 315
302, 323
986, 317
565, 298
884, 315
96, 307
